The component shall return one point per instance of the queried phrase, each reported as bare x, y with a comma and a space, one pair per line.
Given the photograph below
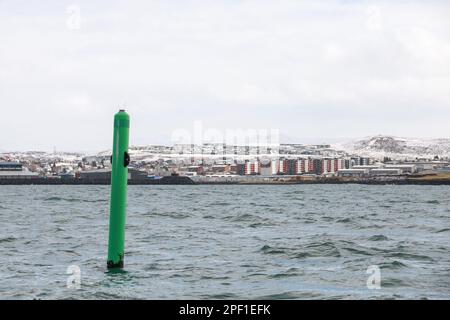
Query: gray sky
313, 69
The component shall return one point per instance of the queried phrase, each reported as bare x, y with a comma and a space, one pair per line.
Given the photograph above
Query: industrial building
18, 174
405, 168
368, 167
361, 161
220, 168
385, 172
353, 173
105, 174
14, 170
10, 166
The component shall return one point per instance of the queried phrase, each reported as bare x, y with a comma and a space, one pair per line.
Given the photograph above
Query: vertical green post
119, 179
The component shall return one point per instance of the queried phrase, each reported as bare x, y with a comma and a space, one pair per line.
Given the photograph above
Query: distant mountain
396, 147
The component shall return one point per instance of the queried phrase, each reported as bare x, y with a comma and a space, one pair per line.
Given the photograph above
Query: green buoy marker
119, 180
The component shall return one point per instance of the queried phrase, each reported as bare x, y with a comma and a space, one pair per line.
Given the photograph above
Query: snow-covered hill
374, 147
396, 147
42, 156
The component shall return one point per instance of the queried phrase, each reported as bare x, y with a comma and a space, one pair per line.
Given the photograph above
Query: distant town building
18, 175
105, 174
405, 168
353, 172
14, 170
10, 166
445, 169
368, 167
385, 172
265, 169
251, 168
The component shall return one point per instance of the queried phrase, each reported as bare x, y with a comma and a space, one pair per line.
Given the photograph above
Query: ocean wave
219, 203
392, 265
262, 223
242, 217
409, 256
394, 283
266, 249
317, 249
292, 272
169, 214
290, 295
323, 249
214, 278
8, 239
74, 200
221, 296
353, 250
344, 220
378, 237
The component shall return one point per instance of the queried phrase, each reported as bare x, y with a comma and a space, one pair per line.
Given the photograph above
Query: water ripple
228, 242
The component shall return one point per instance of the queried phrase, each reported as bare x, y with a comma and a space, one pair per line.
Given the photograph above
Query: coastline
182, 180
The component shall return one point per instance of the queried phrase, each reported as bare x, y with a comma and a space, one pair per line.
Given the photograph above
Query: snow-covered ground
375, 147
396, 147
48, 156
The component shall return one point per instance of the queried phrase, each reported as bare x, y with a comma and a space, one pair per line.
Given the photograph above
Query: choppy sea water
231, 242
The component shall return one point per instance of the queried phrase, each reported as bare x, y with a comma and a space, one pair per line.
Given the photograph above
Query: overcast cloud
313, 69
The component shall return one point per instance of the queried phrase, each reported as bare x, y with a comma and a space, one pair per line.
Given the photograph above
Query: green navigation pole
119, 178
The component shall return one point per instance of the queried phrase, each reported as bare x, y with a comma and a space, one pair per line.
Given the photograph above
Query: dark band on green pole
119, 179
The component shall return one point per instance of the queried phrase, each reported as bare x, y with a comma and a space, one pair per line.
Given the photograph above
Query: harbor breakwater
169, 180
